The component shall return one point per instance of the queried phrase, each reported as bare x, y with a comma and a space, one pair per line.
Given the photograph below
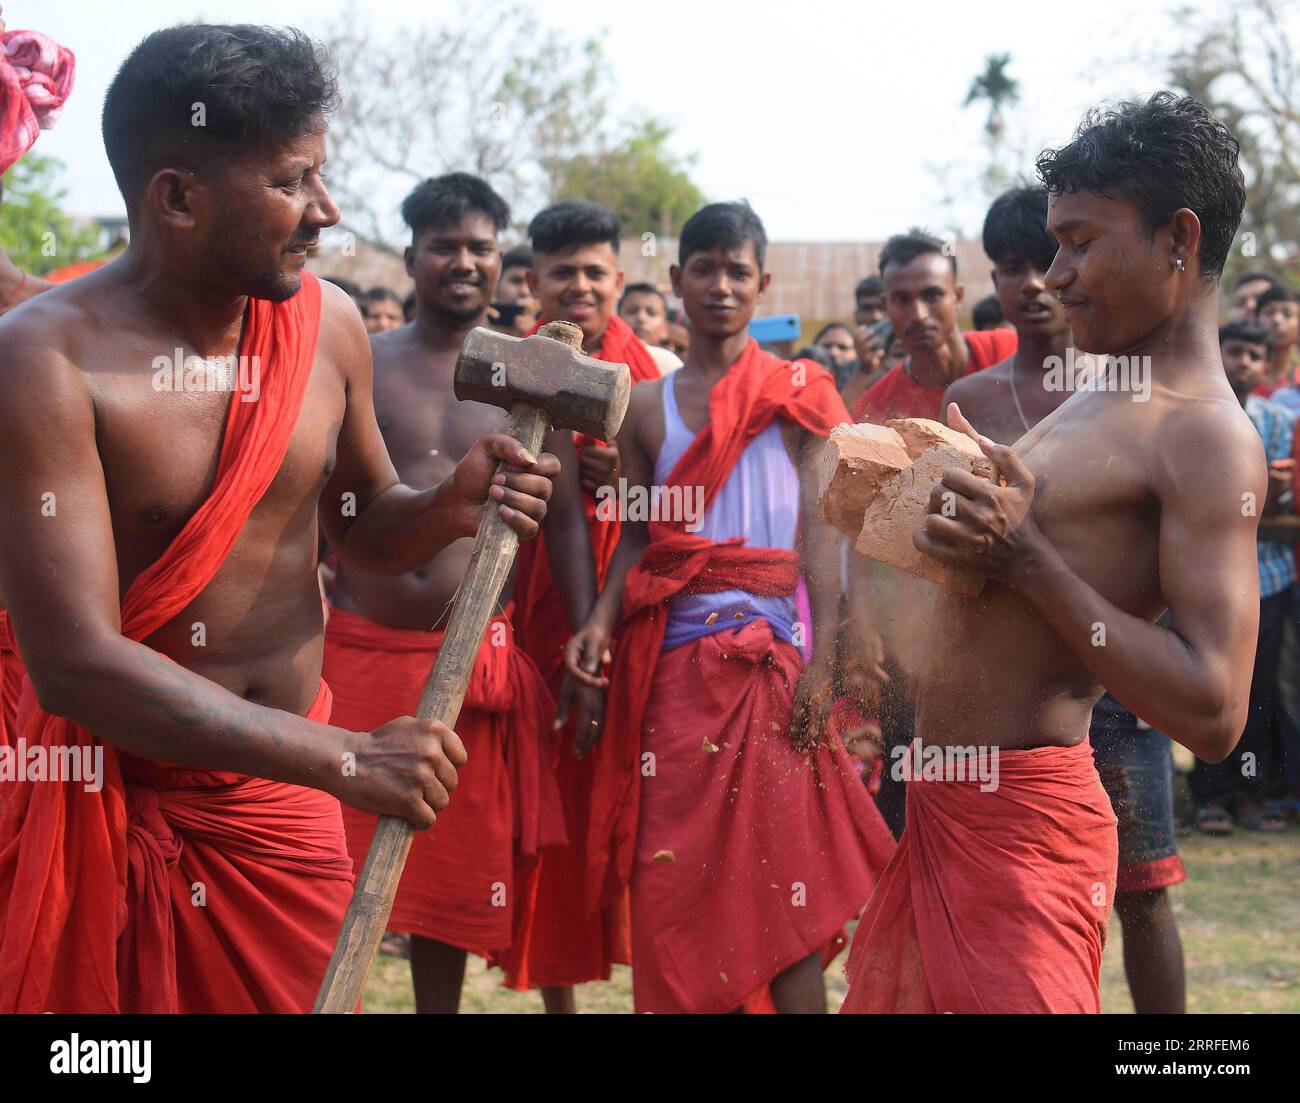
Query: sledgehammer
541, 380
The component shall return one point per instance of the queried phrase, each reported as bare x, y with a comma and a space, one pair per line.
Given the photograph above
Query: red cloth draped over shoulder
64, 856
758, 389
72, 271
995, 902
540, 618
897, 394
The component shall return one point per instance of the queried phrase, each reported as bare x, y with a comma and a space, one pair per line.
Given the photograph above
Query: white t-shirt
665, 359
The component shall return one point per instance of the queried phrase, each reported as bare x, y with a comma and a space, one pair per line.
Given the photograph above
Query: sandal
1214, 820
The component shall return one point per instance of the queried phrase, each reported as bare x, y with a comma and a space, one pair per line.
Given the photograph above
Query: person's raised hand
870, 348
520, 492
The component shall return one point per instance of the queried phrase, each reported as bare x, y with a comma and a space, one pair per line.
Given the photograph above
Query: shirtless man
1098, 530
384, 632
105, 467
1005, 401
1134, 760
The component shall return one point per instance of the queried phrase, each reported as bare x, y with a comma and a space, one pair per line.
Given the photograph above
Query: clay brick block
858, 460
921, 434
899, 507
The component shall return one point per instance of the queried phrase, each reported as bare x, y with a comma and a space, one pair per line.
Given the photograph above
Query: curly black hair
199, 90
1162, 155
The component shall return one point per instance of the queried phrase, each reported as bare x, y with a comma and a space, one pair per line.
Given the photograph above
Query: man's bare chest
159, 449
1080, 470
1092, 494
426, 429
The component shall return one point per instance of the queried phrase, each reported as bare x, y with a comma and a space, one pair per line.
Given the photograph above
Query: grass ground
1238, 912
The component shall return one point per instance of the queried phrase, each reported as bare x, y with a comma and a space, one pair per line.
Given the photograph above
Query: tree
998, 89
639, 178
34, 230
488, 91
1242, 65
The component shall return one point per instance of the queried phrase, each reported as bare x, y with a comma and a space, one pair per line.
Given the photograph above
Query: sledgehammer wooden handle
372, 900
489, 566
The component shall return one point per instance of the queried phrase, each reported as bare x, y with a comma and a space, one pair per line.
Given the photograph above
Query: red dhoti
223, 860
166, 888
564, 939
996, 902
738, 814
750, 854
467, 880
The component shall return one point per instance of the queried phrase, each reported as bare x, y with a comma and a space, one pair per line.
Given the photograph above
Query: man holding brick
1105, 516
1133, 759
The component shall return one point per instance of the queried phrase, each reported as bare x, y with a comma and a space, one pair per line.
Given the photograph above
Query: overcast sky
833, 118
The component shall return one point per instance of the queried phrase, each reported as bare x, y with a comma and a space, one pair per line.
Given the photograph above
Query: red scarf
758, 389
63, 851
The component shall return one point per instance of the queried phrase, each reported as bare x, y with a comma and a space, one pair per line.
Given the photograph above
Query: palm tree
999, 89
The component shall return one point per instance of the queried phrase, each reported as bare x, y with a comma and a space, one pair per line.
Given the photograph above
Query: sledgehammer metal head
549, 371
